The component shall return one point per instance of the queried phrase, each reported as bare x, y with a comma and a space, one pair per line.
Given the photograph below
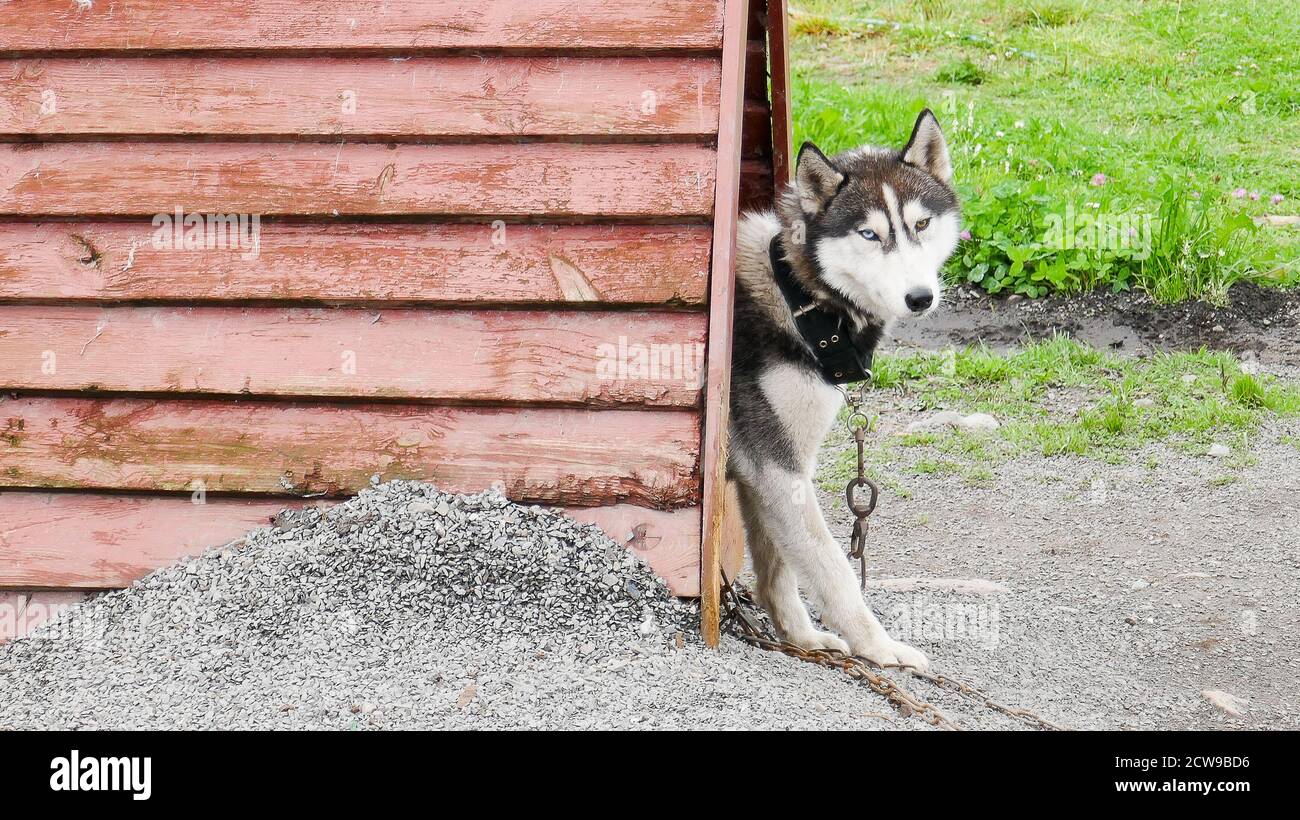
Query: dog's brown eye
922, 224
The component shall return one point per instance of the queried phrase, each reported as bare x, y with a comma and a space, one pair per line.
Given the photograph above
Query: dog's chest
805, 405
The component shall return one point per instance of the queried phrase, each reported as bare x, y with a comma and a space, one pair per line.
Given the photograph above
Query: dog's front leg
777, 588
794, 521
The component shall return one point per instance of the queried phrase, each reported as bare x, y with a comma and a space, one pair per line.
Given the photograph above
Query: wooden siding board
336, 263
575, 457
390, 25
424, 97
96, 541
593, 358
24, 611
526, 180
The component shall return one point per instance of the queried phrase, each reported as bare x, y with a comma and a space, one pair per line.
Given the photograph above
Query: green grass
1175, 105
1061, 397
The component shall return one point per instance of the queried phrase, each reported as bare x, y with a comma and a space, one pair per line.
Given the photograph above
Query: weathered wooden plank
133, 179
778, 28
431, 263
560, 456
668, 541
722, 275
755, 70
757, 29
592, 358
12, 625
21, 612
400, 25
756, 139
756, 187
94, 541
424, 97
89, 541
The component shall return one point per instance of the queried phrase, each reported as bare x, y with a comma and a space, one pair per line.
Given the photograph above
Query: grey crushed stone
406, 607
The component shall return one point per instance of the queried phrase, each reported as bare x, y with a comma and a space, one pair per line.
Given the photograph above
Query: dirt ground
1106, 595
1259, 321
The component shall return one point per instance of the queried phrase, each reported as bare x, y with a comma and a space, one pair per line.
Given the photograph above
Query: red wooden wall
469, 213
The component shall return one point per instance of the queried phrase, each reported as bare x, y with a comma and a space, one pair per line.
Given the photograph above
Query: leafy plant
965, 71
1199, 249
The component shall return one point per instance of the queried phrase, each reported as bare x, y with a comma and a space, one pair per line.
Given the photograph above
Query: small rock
1218, 328
1228, 704
978, 421
467, 695
648, 626
1189, 378
1131, 621
1219, 451
1140, 583
947, 418
1144, 403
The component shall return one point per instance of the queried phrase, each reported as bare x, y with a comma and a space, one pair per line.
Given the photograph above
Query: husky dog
854, 244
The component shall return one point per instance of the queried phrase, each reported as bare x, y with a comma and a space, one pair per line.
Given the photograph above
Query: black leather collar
828, 334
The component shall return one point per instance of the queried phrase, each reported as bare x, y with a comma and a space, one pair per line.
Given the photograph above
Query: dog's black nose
919, 300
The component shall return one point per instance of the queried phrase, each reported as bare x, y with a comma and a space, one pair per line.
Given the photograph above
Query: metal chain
860, 510
971, 693
858, 424
747, 630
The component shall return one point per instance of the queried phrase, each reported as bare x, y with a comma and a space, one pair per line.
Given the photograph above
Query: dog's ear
927, 148
816, 179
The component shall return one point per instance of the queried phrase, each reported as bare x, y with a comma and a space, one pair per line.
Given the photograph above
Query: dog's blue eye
869, 235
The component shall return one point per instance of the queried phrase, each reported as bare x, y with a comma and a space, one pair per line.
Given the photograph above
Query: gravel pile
407, 607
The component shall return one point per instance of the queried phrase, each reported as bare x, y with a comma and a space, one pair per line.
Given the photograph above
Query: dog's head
876, 225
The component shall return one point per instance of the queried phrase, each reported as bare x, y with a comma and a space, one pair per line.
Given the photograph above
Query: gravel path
1104, 596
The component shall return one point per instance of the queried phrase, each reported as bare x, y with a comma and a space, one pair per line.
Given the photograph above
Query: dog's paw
818, 640
885, 651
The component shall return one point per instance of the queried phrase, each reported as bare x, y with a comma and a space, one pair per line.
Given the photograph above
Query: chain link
859, 424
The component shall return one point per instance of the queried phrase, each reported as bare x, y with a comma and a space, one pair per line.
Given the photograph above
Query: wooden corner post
778, 49
722, 274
